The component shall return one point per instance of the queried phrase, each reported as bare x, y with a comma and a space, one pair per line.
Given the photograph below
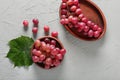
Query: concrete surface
98, 60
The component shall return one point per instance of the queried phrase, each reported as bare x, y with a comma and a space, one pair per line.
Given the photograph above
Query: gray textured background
98, 60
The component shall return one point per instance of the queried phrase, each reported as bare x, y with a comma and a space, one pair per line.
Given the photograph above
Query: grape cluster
72, 16
47, 52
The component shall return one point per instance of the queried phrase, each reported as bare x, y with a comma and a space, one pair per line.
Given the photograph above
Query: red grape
34, 30
46, 28
35, 21
73, 8
96, 34
78, 11
54, 34
90, 33
25, 23
35, 58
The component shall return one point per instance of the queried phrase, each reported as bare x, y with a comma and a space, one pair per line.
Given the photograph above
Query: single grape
81, 16
47, 40
48, 61
86, 29
84, 19
63, 51
74, 20
34, 30
46, 28
89, 23
37, 44
73, 8
63, 12
70, 18
78, 11
42, 57
35, 21
76, 2
99, 29
54, 34
96, 34
25, 23
90, 33
54, 52
70, 2
35, 58
59, 56
62, 21
64, 5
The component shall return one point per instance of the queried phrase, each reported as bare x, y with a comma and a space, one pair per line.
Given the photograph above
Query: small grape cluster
47, 52
72, 16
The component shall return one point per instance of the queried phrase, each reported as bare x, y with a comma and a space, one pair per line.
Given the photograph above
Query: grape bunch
47, 53
72, 16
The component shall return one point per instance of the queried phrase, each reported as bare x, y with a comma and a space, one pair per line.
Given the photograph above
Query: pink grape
96, 34
53, 42
35, 58
64, 5
52, 47
89, 23
75, 2
95, 27
70, 18
54, 52
25, 23
66, 21
48, 61
37, 53
56, 62
37, 44
42, 57
54, 34
81, 16
46, 28
84, 19
48, 48
73, 8
63, 12
70, 2
90, 33
46, 40
43, 45
63, 51
78, 11
86, 29
74, 20
62, 21
34, 51
35, 21
81, 25
59, 56
58, 49
63, 16
34, 30
99, 29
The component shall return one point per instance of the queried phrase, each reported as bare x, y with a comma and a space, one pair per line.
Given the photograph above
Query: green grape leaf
19, 52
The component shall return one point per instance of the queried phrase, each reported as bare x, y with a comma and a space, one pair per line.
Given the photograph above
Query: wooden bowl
58, 44
93, 13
